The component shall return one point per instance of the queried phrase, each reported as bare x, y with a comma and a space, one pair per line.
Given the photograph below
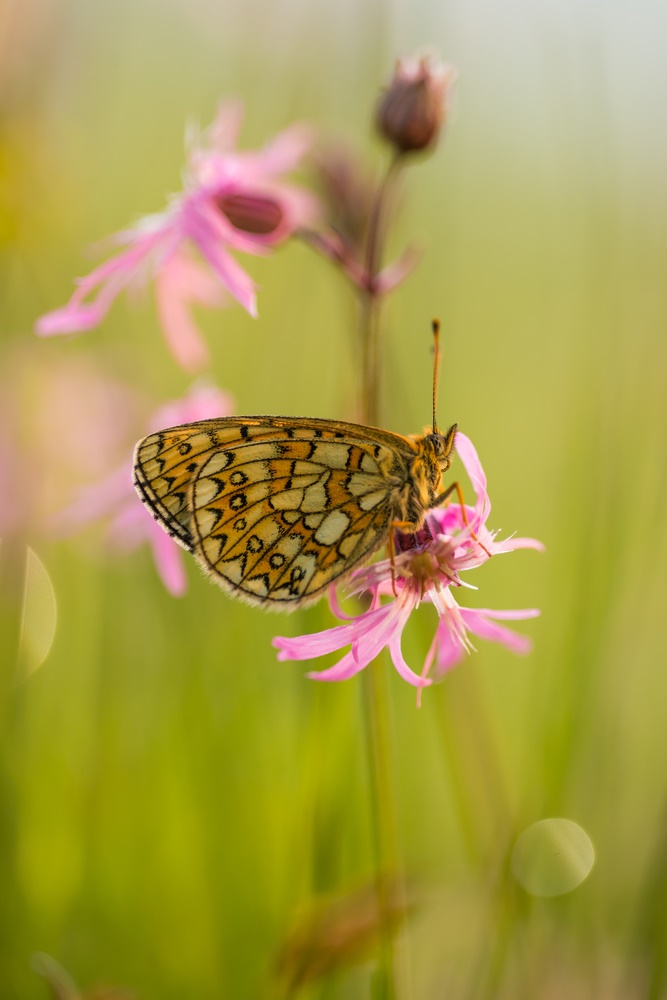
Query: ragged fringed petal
448, 652
512, 544
308, 647
108, 280
284, 153
425, 567
205, 228
180, 283
368, 634
222, 136
74, 318
481, 623
346, 668
379, 631
401, 666
451, 645
232, 201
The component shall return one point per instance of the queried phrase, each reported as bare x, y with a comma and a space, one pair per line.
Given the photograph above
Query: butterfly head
442, 445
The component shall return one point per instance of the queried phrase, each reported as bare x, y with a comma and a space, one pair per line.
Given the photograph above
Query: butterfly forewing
276, 509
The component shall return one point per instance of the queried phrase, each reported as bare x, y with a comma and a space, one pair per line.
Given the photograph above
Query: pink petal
284, 153
393, 274
205, 229
129, 527
224, 132
471, 463
479, 624
71, 319
307, 647
347, 667
202, 402
110, 278
180, 282
301, 208
168, 560
96, 501
506, 615
450, 652
511, 544
404, 670
336, 608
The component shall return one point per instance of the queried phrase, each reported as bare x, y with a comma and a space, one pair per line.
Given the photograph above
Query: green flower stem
374, 681
369, 326
385, 827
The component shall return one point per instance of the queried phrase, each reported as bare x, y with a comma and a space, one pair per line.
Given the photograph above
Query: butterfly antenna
436, 365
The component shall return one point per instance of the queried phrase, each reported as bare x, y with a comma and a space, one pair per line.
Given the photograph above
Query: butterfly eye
439, 444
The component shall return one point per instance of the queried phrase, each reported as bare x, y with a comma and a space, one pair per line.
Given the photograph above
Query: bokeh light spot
552, 857
38, 620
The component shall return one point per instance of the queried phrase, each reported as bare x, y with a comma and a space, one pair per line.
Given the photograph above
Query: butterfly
277, 509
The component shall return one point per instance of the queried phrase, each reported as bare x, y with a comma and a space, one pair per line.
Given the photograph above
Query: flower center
251, 213
422, 567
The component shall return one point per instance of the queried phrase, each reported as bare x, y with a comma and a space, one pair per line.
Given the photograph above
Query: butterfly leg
456, 488
392, 549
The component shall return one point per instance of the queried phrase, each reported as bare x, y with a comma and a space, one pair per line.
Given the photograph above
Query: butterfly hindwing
275, 509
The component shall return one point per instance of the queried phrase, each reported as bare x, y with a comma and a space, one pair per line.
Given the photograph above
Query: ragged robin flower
427, 568
231, 201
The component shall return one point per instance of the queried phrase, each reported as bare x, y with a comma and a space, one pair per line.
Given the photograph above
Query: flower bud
414, 106
254, 214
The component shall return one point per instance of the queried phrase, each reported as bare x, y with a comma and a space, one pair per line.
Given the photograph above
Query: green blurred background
172, 797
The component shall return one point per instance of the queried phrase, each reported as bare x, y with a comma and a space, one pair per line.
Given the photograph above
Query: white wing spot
149, 450
212, 547
348, 545
232, 569
314, 499
216, 463
360, 483
205, 491
331, 454
287, 500
372, 499
332, 527
302, 468
256, 585
369, 464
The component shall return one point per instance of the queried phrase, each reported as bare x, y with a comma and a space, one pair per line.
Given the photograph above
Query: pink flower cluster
230, 201
114, 498
427, 568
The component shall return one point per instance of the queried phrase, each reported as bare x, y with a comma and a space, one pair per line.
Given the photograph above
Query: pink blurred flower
427, 568
62, 421
114, 497
231, 201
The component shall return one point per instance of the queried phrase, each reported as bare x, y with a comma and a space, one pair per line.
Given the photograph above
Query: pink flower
427, 568
62, 421
115, 498
231, 201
